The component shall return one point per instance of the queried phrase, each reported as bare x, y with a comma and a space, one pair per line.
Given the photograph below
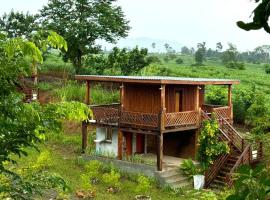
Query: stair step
169, 173
181, 185
222, 183
176, 178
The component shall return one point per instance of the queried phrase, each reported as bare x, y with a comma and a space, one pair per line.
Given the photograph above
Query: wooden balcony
112, 115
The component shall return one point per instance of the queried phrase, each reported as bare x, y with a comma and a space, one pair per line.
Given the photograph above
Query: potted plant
191, 170
142, 188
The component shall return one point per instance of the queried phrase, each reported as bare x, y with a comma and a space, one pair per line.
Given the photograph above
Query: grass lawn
63, 160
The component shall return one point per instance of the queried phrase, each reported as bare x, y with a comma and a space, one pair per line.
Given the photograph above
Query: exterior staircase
241, 152
174, 178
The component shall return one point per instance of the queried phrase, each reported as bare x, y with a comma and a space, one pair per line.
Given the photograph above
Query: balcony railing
222, 111
113, 115
176, 119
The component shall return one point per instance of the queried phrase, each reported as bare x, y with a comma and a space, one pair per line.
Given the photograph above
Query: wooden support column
230, 104
120, 133
87, 94
120, 145
84, 123
84, 136
161, 127
159, 151
197, 104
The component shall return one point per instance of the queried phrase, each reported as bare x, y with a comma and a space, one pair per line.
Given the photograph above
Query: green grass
64, 151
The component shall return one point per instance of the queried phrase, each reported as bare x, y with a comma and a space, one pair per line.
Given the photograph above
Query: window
108, 136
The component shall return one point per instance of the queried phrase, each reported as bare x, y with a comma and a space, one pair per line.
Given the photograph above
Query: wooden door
128, 138
140, 143
178, 101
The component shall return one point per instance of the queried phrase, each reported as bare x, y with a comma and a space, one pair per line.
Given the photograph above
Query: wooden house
162, 115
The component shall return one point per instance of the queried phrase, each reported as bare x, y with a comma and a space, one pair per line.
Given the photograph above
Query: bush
153, 59
216, 95
267, 68
209, 145
236, 65
179, 61
112, 179
189, 168
251, 183
143, 185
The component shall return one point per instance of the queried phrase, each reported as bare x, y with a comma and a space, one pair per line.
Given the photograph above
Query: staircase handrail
234, 132
240, 161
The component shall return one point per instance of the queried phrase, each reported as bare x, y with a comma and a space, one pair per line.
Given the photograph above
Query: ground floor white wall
111, 148
106, 147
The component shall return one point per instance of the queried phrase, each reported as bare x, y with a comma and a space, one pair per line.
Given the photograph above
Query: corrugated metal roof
156, 79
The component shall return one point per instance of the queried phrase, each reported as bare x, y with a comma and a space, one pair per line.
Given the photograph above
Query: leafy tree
230, 58
260, 17
24, 125
167, 46
154, 45
82, 23
17, 24
219, 47
200, 53
129, 62
185, 50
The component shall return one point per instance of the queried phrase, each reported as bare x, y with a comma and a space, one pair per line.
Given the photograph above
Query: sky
184, 21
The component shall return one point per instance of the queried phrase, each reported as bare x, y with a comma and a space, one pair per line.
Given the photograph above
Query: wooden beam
84, 136
120, 145
159, 152
87, 95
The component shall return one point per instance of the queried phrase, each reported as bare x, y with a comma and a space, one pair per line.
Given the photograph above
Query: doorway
178, 100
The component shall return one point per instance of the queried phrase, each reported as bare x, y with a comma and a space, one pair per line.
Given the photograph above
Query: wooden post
230, 104
162, 108
120, 145
122, 92
84, 123
87, 95
161, 127
84, 136
197, 98
159, 151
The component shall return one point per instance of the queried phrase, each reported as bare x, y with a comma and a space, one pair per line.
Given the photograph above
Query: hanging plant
210, 147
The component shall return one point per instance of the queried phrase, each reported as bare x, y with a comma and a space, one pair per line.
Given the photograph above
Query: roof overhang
156, 80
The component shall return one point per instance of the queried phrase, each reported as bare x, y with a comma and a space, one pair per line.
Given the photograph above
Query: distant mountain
143, 42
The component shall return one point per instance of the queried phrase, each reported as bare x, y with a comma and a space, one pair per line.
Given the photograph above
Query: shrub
179, 61
251, 183
92, 169
153, 59
236, 65
44, 161
267, 68
209, 145
112, 179
216, 95
143, 186
189, 168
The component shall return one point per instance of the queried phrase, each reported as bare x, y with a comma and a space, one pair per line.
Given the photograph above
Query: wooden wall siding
146, 98
188, 101
142, 98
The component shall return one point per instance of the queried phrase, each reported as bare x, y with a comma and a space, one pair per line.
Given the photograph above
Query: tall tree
154, 45
82, 23
18, 24
200, 53
219, 47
